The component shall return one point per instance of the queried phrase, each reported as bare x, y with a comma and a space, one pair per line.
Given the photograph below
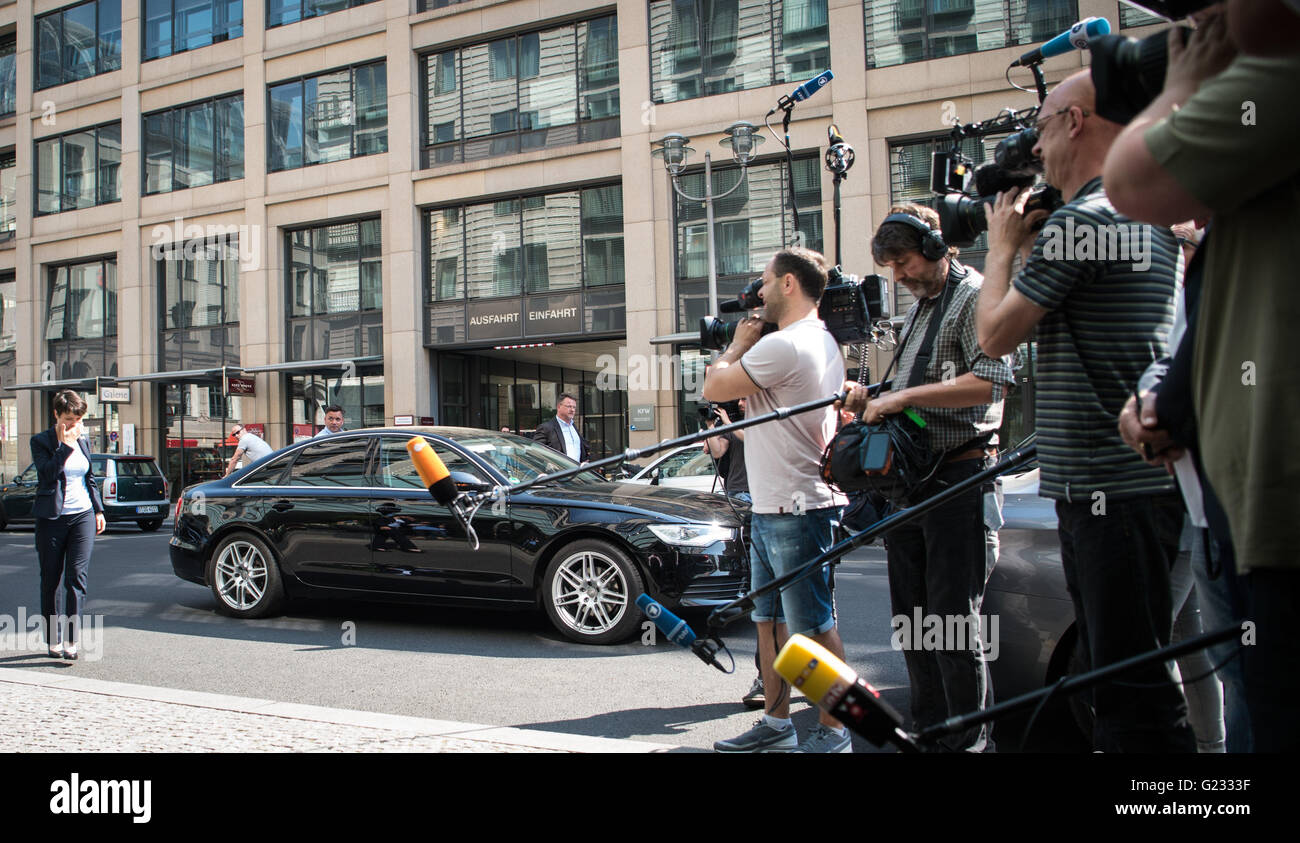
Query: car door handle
282, 506
387, 508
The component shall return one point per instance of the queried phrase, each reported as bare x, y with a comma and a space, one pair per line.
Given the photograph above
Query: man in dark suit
561, 434
69, 514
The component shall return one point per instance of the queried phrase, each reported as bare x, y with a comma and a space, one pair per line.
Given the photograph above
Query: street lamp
673, 148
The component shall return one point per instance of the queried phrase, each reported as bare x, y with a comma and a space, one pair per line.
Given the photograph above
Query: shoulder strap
926, 351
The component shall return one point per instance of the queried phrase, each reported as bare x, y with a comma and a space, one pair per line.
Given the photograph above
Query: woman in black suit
69, 514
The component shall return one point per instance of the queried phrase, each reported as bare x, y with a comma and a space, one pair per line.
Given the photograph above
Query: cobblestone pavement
56, 714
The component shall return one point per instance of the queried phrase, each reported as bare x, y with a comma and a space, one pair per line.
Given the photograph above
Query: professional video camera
849, 307
961, 206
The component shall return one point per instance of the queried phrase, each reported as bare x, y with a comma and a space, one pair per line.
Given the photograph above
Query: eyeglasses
1038, 125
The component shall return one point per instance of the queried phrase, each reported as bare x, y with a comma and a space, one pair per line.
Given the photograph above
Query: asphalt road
497, 668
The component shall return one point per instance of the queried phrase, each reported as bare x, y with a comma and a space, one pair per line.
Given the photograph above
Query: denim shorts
781, 543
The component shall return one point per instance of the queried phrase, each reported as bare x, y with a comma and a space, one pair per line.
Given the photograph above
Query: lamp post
673, 149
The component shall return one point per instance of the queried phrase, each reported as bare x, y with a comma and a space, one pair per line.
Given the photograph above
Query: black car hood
700, 507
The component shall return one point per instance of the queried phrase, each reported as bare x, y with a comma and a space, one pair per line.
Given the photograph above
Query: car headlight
692, 535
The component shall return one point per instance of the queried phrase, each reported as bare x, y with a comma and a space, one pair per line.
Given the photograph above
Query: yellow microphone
433, 471
833, 686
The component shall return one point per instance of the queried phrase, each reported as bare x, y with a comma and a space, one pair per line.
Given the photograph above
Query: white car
687, 467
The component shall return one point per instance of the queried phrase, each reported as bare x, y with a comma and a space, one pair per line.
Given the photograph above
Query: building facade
215, 211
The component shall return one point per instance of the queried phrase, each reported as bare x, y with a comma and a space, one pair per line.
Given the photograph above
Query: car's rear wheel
150, 525
245, 578
588, 592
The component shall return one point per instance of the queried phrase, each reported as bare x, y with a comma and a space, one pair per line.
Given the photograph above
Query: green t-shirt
1233, 145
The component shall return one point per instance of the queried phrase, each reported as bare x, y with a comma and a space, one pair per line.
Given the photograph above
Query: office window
83, 301
174, 26
335, 290
194, 145
78, 169
901, 31
704, 47
78, 42
8, 73
549, 88
749, 226
1129, 16
330, 117
199, 291
8, 195
281, 12
535, 244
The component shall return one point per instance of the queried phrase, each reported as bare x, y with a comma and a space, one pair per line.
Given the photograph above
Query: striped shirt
956, 351
1108, 284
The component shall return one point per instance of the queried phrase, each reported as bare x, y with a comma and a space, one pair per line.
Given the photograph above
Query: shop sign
240, 386
641, 417
115, 394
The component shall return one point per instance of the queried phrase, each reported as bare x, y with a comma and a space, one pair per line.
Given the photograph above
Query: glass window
336, 290
536, 244
539, 89
281, 12
83, 301
78, 170
330, 117
396, 469
8, 73
703, 47
330, 463
1129, 16
8, 195
78, 42
268, 475
900, 31
174, 26
200, 282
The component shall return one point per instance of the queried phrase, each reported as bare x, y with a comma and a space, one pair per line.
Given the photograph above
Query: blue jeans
781, 543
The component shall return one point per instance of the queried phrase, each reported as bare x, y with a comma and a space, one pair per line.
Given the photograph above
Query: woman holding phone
69, 514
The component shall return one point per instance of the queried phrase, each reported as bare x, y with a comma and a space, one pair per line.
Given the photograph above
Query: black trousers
939, 565
1270, 663
1117, 555
63, 546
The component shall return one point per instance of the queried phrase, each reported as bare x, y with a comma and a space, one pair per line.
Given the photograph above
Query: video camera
961, 204
849, 306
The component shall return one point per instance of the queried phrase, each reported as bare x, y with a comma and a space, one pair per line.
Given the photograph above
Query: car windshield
522, 460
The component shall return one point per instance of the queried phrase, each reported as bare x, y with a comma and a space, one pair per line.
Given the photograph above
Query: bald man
1099, 289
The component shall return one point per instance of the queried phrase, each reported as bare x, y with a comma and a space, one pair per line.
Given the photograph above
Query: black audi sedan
347, 516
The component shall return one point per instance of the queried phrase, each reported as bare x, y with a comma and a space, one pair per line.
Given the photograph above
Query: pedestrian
561, 433
249, 443
333, 421
69, 514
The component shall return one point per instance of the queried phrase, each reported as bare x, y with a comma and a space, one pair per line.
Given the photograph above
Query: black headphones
933, 246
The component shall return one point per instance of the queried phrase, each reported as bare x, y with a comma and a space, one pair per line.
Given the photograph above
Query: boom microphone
1074, 38
833, 686
804, 91
432, 470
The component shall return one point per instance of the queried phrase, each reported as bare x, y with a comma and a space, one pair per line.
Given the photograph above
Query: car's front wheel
245, 578
588, 593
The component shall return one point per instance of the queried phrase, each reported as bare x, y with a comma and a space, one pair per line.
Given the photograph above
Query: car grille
716, 588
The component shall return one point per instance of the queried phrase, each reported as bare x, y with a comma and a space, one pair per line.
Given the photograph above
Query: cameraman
1220, 143
793, 507
1102, 319
941, 563
729, 450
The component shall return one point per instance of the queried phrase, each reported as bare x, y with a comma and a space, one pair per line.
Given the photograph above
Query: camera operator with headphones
940, 563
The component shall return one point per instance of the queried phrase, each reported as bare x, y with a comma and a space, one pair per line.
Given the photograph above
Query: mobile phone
875, 453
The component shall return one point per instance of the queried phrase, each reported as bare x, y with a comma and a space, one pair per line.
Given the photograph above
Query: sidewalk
43, 713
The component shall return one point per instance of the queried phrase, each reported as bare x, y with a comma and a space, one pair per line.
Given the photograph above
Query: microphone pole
729, 613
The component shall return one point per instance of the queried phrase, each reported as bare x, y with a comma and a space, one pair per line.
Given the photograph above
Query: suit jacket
550, 435
50, 454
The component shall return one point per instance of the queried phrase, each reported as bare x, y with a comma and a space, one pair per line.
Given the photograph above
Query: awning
342, 364
183, 376
75, 383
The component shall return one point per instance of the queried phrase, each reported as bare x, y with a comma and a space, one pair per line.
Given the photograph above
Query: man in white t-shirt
250, 445
792, 506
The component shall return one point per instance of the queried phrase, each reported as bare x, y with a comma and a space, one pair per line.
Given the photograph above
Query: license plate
146, 510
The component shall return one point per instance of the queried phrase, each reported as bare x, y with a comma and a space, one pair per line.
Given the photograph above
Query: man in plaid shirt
940, 563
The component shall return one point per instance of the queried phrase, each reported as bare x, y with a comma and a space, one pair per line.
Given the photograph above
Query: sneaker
754, 697
761, 738
824, 739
